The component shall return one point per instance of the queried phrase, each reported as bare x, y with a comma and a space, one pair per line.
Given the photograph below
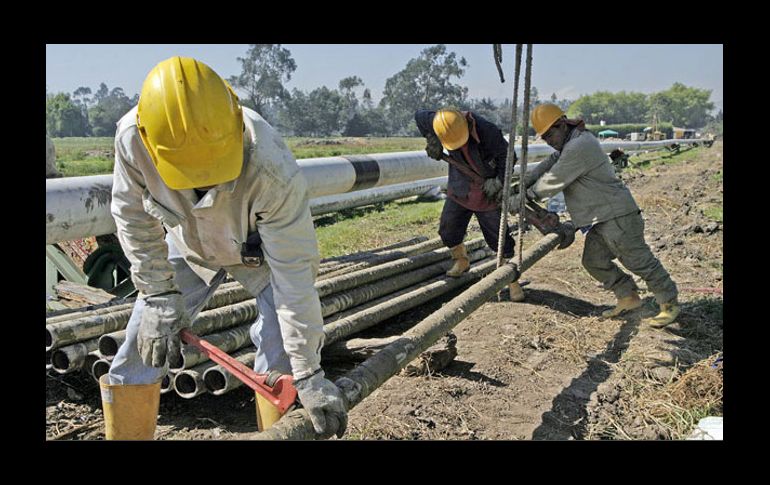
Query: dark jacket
487, 149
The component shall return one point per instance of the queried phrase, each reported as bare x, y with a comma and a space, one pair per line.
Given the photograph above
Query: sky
568, 70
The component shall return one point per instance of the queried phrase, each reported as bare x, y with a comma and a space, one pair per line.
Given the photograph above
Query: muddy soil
545, 369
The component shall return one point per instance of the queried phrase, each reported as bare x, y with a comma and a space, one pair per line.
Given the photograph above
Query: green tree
63, 117
682, 105
264, 70
109, 108
425, 82
81, 97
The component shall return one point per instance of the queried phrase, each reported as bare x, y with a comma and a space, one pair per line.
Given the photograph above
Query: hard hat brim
211, 165
457, 144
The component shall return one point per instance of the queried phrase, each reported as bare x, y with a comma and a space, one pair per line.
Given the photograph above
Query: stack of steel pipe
357, 291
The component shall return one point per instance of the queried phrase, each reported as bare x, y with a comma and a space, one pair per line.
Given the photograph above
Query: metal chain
509, 162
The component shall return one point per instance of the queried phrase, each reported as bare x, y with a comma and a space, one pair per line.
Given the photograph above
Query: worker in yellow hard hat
476, 155
605, 211
204, 188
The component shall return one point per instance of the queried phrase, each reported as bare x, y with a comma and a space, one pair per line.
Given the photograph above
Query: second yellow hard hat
544, 115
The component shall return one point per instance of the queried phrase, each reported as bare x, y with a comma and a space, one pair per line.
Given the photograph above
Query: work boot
267, 412
517, 294
668, 313
130, 411
630, 302
462, 263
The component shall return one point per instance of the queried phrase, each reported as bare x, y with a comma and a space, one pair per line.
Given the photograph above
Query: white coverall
203, 243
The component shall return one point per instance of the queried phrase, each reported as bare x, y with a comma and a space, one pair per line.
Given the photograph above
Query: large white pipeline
78, 207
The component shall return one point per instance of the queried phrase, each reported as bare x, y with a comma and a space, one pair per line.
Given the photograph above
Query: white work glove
324, 403
164, 316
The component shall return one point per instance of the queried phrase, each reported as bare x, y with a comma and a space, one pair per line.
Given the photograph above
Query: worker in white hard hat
477, 155
200, 184
605, 211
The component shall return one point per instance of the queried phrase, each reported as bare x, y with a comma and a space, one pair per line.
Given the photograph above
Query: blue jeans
127, 366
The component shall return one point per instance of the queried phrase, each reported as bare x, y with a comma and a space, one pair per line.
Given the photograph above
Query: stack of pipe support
219, 381
383, 257
393, 279
336, 260
368, 376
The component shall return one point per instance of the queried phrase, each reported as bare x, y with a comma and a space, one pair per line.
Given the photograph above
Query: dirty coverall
485, 154
205, 231
603, 207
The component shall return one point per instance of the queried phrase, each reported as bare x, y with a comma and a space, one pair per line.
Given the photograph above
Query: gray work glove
434, 148
492, 189
163, 317
514, 203
324, 403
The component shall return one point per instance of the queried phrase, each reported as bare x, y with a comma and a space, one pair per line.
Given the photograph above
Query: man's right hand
434, 149
163, 317
325, 404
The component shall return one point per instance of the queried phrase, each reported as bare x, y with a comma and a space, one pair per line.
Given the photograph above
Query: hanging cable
497, 51
524, 145
508, 163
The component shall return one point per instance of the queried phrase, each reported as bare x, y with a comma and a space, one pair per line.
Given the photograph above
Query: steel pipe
78, 207
352, 280
167, 383
188, 383
99, 368
337, 202
351, 298
229, 340
219, 380
72, 357
383, 257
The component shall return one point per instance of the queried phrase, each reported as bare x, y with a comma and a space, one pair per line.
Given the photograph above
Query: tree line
431, 80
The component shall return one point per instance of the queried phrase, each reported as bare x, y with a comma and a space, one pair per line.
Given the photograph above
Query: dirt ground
545, 369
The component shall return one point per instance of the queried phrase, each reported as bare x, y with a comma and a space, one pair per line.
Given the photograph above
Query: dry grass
668, 408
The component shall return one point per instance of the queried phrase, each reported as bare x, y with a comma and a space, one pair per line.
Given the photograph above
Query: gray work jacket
592, 191
269, 195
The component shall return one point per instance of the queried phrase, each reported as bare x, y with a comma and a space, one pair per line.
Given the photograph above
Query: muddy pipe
372, 373
188, 383
72, 357
219, 380
352, 280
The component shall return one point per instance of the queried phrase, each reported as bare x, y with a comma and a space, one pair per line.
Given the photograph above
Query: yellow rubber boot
130, 411
462, 263
630, 302
517, 293
668, 313
267, 413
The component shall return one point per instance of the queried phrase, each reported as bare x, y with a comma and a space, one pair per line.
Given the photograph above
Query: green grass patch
363, 228
713, 212
717, 177
303, 147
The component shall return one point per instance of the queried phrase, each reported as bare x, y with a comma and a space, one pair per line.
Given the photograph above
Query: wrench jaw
285, 392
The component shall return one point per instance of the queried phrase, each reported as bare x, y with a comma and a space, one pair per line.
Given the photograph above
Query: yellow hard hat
451, 127
544, 115
191, 123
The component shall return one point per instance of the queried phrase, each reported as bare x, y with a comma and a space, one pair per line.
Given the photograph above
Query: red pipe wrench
276, 388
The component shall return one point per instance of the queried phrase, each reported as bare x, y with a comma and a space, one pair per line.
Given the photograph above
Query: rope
524, 144
497, 51
508, 163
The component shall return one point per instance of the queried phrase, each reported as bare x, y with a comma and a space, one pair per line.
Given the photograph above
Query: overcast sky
568, 70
